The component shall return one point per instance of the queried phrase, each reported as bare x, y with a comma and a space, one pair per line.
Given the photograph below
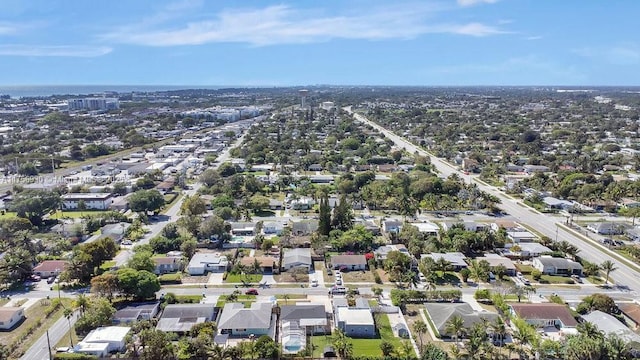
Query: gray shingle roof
441, 313
236, 316
302, 311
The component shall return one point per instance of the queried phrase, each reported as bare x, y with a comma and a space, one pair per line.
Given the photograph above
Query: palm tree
286, 298
499, 329
455, 327
608, 267
342, 344
589, 329
420, 328
524, 333
81, 302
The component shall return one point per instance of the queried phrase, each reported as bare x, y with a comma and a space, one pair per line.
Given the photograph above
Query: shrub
482, 294
465, 273
376, 277
536, 274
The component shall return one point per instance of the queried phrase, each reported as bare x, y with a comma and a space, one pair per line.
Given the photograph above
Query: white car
314, 283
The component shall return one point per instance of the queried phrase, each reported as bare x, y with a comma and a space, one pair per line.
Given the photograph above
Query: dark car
251, 292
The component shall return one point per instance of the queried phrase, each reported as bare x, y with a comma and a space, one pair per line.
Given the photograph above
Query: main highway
625, 276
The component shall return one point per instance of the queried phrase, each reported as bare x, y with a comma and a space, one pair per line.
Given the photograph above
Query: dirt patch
190, 279
357, 276
286, 277
383, 275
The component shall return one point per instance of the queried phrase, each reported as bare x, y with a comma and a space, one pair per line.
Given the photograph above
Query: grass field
75, 214
362, 347
238, 278
7, 215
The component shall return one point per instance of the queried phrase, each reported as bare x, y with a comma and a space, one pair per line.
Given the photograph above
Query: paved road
173, 213
545, 224
38, 351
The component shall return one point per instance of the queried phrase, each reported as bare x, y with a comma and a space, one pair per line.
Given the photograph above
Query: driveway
268, 279
215, 279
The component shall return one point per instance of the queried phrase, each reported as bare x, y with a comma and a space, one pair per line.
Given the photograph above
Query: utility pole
48, 345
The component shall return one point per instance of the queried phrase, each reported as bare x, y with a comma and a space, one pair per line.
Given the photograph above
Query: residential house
467, 225
103, 339
91, 201
556, 266
456, 260
203, 262
243, 228
521, 235
315, 167
527, 250
136, 312
631, 313
275, 204
304, 227
10, 316
349, 262
384, 250
552, 203
273, 228
428, 228
543, 315
312, 317
181, 318
530, 169
504, 224
441, 314
633, 233
49, 268
606, 228
299, 257
629, 203
266, 264
236, 320
495, 260
609, 325
391, 226
304, 203
115, 231
166, 264
354, 321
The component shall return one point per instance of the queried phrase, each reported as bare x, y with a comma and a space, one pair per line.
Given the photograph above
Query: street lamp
253, 346
58, 284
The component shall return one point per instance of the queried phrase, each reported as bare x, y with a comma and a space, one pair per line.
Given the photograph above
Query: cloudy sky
360, 42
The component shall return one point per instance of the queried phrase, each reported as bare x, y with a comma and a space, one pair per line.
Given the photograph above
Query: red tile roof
51, 265
547, 311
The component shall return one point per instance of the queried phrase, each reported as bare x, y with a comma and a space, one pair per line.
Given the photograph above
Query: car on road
314, 283
127, 242
251, 292
51, 279
338, 290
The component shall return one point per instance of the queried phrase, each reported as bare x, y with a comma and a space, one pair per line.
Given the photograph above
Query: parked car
577, 279
51, 280
251, 292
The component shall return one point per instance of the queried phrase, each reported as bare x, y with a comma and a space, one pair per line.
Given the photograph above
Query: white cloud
477, 29
620, 54
285, 25
54, 50
533, 38
513, 68
475, 2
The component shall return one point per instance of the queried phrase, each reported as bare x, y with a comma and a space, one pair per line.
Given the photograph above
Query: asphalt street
545, 224
39, 350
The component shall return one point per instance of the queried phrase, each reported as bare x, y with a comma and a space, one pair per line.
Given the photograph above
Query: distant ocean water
48, 90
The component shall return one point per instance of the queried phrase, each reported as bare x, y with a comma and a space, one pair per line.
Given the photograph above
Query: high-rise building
93, 104
303, 98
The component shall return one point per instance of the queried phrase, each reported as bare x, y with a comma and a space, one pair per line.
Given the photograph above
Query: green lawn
525, 269
237, 278
552, 279
107, 265
75, 214
362, 347
7, 215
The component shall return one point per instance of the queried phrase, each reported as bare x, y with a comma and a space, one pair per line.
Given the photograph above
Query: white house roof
427, 227
454, 258
352, 316
107, 334
610, 325
531, 247
201, 259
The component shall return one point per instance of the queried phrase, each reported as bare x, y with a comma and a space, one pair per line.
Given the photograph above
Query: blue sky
360, 42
